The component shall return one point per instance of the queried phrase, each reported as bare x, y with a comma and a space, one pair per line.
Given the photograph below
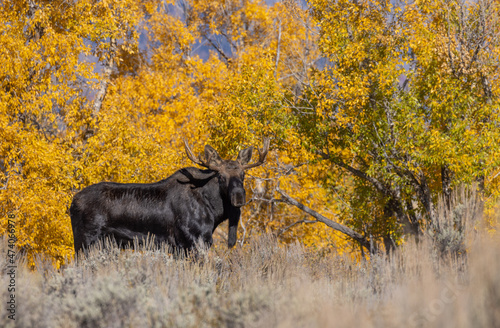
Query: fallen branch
332, 224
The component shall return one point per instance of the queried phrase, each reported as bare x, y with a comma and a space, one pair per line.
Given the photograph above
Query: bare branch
285, 229
219, 50
360, 174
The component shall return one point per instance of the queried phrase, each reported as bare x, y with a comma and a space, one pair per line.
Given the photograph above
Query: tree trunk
107, 70
446, 184
109, 65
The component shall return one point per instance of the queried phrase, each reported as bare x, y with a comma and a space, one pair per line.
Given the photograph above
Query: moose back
180, 210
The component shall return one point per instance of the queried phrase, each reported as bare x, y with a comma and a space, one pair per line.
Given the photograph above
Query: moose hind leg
125, 237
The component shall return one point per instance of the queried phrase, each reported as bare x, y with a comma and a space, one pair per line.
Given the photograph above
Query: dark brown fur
180, 210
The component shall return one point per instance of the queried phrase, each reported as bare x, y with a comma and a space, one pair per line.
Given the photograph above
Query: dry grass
264, 285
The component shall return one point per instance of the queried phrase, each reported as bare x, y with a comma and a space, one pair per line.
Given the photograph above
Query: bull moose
179, 210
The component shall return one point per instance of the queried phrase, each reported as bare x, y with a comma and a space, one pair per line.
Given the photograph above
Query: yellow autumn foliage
107, 91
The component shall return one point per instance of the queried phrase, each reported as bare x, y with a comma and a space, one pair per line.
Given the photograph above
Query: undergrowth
426, 284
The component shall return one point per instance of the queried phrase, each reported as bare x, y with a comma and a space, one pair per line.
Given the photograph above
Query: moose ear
244, 156
212, 157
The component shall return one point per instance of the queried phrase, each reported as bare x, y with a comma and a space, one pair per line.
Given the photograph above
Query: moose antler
262, 155
212, 159
193, 158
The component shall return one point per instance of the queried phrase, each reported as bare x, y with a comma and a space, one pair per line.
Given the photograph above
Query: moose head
231, 173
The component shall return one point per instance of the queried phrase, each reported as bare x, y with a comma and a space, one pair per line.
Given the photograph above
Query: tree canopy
375, 109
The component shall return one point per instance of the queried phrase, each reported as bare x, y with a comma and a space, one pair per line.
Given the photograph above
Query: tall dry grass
264, 285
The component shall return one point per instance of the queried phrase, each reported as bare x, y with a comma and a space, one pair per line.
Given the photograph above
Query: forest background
376, 110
